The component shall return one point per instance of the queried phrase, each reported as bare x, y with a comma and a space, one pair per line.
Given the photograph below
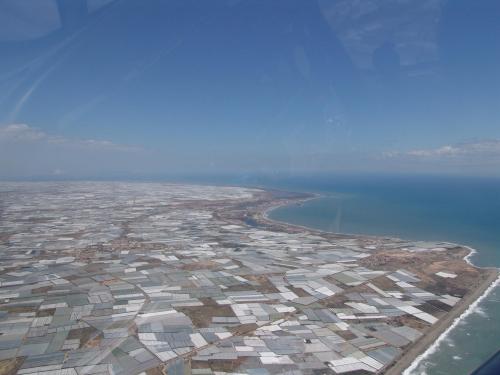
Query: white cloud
473, 158
26, 151
486, 148
22, 133
441, 151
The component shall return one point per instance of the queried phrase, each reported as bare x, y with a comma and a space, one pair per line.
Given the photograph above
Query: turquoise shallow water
465, 211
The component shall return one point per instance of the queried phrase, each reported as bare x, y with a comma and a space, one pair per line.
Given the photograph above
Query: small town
142, 278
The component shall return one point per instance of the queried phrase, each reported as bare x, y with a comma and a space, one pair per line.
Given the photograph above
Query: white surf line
467, 258
470, 255
432, 349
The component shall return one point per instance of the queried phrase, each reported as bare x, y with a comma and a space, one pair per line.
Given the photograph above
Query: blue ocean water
461, 210
453, 209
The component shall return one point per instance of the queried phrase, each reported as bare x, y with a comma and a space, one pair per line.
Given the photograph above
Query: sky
97, 88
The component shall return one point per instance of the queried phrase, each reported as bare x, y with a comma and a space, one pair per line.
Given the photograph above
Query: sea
453, 209
464, 210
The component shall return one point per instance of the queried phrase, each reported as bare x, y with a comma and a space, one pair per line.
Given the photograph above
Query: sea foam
471, 309
472, 252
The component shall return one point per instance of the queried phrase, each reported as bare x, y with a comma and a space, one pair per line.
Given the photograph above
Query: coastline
431, 340
468, 257
265, 213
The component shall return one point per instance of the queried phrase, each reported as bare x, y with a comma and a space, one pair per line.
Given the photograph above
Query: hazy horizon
109, 88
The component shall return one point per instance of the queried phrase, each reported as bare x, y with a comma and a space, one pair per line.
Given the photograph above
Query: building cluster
131, 278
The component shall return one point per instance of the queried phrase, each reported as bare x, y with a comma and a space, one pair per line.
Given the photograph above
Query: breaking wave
433, 348
480, 311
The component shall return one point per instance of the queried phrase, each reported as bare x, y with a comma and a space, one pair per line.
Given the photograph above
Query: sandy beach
441, 326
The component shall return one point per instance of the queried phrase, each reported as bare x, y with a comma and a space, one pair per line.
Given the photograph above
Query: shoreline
437, 333
429, 343
264, 215
468, 257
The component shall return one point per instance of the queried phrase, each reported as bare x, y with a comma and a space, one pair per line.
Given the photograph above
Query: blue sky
100, 87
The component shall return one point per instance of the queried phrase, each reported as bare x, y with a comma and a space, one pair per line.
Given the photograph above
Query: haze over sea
461, 210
